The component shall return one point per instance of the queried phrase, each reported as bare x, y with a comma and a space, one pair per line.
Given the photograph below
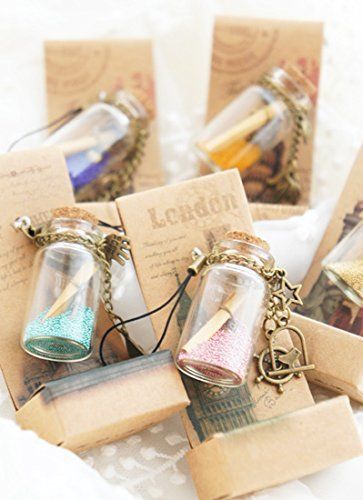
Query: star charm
288, 294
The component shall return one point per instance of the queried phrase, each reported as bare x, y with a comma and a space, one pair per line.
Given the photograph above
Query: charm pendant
278, 365
117, 248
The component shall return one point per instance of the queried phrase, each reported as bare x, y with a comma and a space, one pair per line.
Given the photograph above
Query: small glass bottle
96, 142
253, 123
226, 315
64, 293
344, 265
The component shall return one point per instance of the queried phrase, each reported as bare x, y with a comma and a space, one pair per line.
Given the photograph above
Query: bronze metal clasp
278, 365
24, 224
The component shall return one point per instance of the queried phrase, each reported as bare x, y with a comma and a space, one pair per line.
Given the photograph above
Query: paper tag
164, 225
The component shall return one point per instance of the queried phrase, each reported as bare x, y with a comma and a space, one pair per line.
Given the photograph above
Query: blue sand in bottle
74, 325
90, 171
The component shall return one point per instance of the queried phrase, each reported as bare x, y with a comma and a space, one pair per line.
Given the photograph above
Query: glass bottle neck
78, 227
291, 86
248, 250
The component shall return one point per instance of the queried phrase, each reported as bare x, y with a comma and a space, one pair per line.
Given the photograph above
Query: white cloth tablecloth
151, 464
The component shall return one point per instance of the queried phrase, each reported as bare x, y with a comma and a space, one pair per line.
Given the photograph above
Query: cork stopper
248, 238
302, 80
74, 213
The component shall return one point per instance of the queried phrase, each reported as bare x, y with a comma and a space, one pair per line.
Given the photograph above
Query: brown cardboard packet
343, 368
76, 71
24, 176
175, 219
105, 404
272, 211
337, 355
244, 49
55, 399
270, 453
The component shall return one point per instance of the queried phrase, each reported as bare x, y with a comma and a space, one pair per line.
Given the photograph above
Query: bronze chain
287, 181
116, 183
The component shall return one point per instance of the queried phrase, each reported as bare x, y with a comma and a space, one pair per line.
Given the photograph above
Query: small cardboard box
105, 404
244, 49
76, 405
325, 303
337, 355
269, 453
175, 219
76, 72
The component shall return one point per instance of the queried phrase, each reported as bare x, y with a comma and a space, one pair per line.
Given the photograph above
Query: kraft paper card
33, 183
244, 49
175, 219
76, 71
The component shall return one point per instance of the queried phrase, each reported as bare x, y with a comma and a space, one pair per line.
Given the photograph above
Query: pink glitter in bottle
230, 348
226, 315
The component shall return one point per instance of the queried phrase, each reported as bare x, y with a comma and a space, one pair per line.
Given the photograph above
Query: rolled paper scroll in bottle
226, 315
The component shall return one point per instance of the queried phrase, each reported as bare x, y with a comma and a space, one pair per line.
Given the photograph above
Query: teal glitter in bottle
64, 293
67, 335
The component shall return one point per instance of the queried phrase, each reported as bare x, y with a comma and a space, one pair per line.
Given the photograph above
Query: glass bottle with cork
274, 110
226, 314
71, 274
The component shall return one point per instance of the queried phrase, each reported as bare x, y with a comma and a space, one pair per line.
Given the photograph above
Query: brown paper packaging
244, 49
175, 219
124, 397
342, 369
337, 355
76, 71
105, 404
270, 453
